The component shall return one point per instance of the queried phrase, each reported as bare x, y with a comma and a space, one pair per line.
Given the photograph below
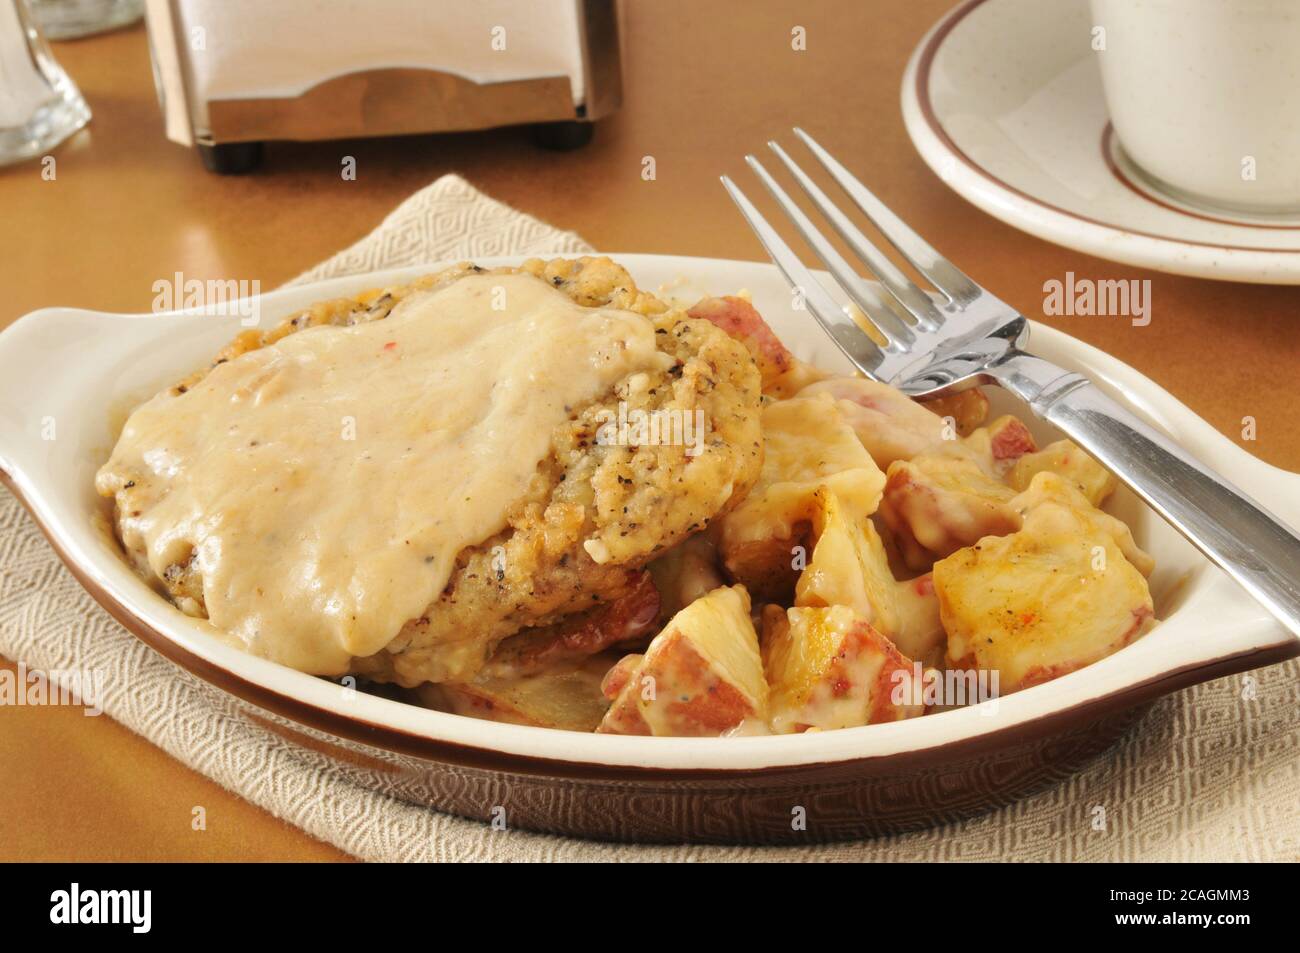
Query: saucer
1004, 101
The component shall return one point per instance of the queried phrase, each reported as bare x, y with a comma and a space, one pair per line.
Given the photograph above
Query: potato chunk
890, 425
828, 668
807, 445
1065, 459
1047, 487
936, 504
1054, 596
849, 567
920, 634
702, 675
782, 373
967, 408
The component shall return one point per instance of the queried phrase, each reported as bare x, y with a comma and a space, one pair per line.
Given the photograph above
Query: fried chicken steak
572, 543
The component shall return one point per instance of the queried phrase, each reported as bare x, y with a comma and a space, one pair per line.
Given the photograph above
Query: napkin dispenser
232, 74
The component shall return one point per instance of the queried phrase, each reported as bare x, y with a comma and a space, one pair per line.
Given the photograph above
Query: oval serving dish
87, 369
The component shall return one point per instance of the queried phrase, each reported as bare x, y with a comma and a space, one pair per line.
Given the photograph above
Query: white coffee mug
1204, 96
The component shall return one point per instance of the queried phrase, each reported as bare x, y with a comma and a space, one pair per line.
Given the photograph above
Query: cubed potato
936, 504
849, 567
1065, 459
968, 409
781, 372
890, 425
920, 634
807, 445
701, 676
828, 668
1054, 596
567, 695
1048, 487
619, 674
996, 447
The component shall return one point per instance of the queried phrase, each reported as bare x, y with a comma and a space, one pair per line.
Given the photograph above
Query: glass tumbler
68, 19
39, 105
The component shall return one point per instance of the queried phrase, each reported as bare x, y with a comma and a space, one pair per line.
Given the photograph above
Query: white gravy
327, 482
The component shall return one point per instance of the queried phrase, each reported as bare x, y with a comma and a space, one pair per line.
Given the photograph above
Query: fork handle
1247, 542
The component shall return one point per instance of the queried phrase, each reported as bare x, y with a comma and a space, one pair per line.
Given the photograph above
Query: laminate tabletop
704, 84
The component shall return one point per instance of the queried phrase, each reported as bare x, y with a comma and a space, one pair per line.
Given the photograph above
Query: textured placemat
1210, 773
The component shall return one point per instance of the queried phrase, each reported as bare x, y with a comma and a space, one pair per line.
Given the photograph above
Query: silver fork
963, 336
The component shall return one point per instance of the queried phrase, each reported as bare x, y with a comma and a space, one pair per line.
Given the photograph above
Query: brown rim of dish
923, 65
431, 749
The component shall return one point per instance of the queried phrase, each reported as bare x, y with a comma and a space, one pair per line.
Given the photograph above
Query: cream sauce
327, 482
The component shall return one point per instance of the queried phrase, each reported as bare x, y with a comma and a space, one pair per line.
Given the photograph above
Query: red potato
782, 373
701, 676
940, 501
968, 409
1009, 440
1048, 487
920, 634
934, 505
894, 427
807, 445
1052, 597
849, 567
890, 425
619, 674
994, 448
1065, 459
828, 668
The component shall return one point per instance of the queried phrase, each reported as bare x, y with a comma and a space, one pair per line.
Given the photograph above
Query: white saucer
1003, 100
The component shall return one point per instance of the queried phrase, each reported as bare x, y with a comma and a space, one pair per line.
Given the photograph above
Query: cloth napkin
1212, 773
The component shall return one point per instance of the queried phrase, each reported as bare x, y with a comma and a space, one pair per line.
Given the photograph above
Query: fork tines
886, 356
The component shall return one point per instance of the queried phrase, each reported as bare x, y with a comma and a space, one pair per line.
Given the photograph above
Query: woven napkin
1210, 773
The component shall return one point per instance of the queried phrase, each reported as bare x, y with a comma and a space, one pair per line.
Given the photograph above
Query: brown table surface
705, 83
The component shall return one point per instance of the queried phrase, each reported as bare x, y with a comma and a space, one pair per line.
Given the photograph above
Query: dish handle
50, 363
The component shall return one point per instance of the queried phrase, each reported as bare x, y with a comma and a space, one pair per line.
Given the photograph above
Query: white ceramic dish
1003, 99
83, 370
